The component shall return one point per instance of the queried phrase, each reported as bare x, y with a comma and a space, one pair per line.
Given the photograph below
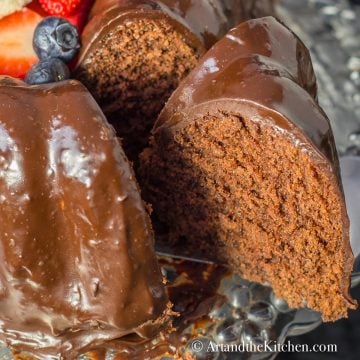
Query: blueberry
57, 38
47, 71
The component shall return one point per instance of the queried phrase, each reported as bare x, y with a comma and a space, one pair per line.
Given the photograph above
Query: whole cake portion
242, 169
135, 53
77, 265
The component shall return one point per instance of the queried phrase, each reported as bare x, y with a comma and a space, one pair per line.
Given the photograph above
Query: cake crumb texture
238, 191
132, 72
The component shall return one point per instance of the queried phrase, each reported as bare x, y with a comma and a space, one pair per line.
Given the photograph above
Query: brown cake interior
239, 192
132, 71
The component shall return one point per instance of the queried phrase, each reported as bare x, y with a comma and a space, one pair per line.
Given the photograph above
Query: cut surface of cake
135, 53
77, 265
243, 170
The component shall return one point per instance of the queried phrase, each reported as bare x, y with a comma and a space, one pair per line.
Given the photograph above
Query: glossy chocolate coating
263, 70
77, 264
201, 22
261, 63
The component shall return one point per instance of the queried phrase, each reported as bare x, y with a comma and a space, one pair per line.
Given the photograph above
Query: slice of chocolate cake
77, 262
135, 53
243, 169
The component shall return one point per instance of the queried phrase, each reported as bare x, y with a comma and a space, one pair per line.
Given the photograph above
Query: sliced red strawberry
78, 17
16, 51
60, 7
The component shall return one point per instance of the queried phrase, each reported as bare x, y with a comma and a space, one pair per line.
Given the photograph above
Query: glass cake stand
218, 307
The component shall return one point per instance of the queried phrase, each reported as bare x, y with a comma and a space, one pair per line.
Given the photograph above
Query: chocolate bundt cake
242, 169
135, 53
77, 261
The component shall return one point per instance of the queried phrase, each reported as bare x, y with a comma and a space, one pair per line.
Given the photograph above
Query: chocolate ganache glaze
208, 176
135, 53
77, 262
265, 64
